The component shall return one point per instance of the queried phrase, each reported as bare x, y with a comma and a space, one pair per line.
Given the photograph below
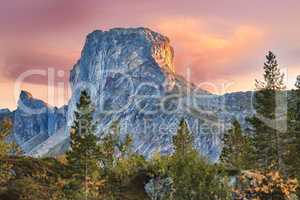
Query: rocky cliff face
34, 122
131, 78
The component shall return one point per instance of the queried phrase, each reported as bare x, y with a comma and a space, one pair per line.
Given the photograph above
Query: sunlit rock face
34, 122
131, 78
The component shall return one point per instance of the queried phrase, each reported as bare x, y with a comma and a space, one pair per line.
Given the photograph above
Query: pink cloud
220, 40
210, 54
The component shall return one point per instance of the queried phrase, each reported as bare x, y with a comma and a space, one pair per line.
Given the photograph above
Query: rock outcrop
131, 78
34, 122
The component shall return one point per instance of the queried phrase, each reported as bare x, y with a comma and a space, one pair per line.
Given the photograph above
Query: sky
222, 42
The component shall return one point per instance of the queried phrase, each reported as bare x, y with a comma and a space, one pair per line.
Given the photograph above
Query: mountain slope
34, 122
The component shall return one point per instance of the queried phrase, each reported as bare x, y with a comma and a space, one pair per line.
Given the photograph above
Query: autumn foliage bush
269, 185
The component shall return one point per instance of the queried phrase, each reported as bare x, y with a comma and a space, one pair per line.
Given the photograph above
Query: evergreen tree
181, 165
115, 154
273, 78
8, 151
183, 140
292, 157
5, 149
110, 146
297, 84
237, 152
193, 177
5, 128
83, 157
267, 136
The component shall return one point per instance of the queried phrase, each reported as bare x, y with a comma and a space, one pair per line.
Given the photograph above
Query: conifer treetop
297, 84
273, 78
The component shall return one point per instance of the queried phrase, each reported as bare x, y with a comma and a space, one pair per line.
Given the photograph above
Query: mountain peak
153, 44
25, 95
26, 100
130, 75
131, 78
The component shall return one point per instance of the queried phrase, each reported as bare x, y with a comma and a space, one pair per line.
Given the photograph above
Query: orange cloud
209, 54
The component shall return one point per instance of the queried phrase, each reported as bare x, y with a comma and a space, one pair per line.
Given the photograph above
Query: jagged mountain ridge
131, 77
34, 121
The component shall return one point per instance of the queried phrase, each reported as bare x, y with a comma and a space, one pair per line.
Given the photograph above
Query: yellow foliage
261, 185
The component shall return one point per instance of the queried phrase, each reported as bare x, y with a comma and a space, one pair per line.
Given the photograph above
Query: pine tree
295, 144
193, 177
237, 152
183, 140
5, 149
292, 157
297, 84
8, 151
273, 78
110, 144
266, 135
5, 128
180, 168
83, 157
114, 155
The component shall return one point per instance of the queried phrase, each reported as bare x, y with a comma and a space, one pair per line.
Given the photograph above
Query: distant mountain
131, 77
34, 121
